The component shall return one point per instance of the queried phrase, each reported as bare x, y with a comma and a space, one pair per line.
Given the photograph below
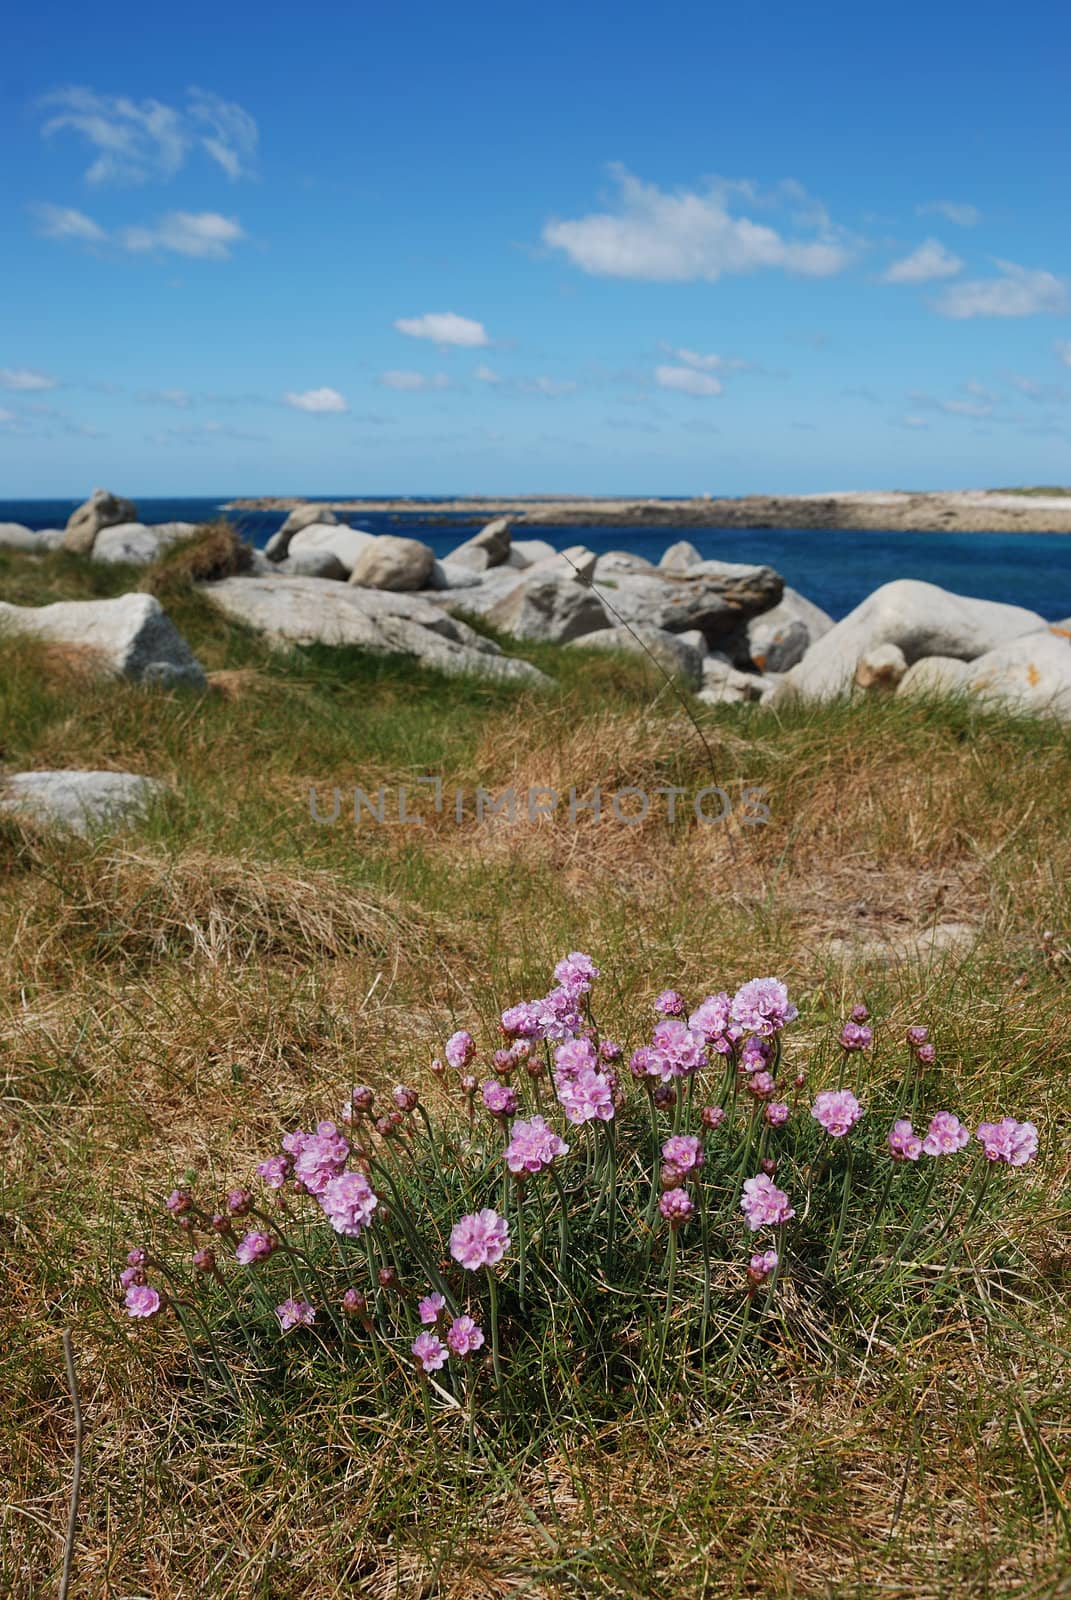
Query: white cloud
25, 379
138, 141
1063, 350
202, 234
179, 398
684, 237
928, 261
686, 380
317, 400
964, 216
484, 374
709, 363
414, 380
63, 222
551, 387
444, 327
1018, 292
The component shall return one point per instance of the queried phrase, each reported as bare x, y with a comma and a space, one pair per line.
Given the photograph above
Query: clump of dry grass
215, 551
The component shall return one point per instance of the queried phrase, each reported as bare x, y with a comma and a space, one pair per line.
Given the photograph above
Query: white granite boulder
13, 536
312, 564
138, 544
486, 549
880, 667
669, 652
680, 556
781, 637
612, 563
723, 684
131, 636
301, 517
548, 606
82, 802
393, 563
526, 552
102, 510
934, 675
1030, 674
713, 597
448, 575
337, 539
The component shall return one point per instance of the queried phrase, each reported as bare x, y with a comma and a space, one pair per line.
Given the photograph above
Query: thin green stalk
494, 1328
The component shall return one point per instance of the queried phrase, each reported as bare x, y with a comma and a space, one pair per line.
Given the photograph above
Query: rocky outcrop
130, 637
526, 552
448, 575
289, 611
612, 563
102, 510
337, 539
670, 652
313, 564
395, 564
1031, 674
716, 598
278, 546
548, 607
13, 536
780, 637
488, 548
82, 802
138, 544
724, 685
680, 556
934, 675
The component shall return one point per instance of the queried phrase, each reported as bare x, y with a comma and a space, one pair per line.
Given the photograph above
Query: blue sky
492, 249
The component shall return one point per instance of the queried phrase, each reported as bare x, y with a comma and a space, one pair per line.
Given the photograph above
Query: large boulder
576, 561
138, 544
921, 619
669, 651
301, 517
934, 675
102, 510
130, 637
305, 611
488, 548
395, 564
13, 536
548, 607
711, 597
612, 563
680, 556
82, 802
526, 552
781, 637
312, 564
724, 685
448, 575
1032, 673
337, 539
880, 667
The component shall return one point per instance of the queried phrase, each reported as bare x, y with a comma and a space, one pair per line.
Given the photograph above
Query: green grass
175, 996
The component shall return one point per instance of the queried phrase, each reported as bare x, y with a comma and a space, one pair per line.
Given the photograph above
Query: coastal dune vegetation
881, 1411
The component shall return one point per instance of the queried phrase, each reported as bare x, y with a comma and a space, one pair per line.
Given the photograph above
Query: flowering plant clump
647, 1211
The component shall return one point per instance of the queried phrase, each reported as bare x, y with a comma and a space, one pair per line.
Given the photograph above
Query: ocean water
834, 569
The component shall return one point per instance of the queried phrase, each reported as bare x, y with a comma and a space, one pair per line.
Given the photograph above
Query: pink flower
675, 1051
499, 1098
904, 1142
559, 1015
712, 1116
178, 1202
837, 1110
776, 1113
610, 1051
254, 1247
318, 1157
142, 1301
295, 1314
683, 1151
586, 1097
460, 1049
576, 972
274, 1172
131, 1275
926, 1053
532, 1146
859, 1014
761, 1085
1013, 1142
574, 1057
465, 1336
136, 1257
916, 1036
429, 1351
669, 1004
204, 1260
354, 1303
405, 1099
348, 1202
711, 1021
522, 1020
762, 1006
764, 1204
430, 1308
479, 1240
676, 1206
945, 1135
855, 1036
761, 1266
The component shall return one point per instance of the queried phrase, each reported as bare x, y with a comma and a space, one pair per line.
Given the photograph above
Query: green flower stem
522, 1245
492, 1285
611, 1221
845, 1196
563, 1226
671, 1279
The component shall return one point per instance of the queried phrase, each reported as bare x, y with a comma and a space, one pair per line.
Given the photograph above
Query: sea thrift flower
574, 1057
761, 1085
295, 1314
762, 1006
712, 1116
460, 1049
387, 1277
503, 1062
837, 1110
429, 1351
499, 1098
1013, 1142
405, 1099
576, 972
348, 1202
318, 1157
274, 1172
764, 1204
712, 1022
136, 1257
761, 1266
204, 1260
927, 1054
429, 1309
675, 1052
665, 1096
669, 1003
854, 1036
904, 1142
916, 1036
254, 1247
587, 1097
522, 1019
532, 1146
178, 1202
142, 1301
640, 1063
768, 1165
676, 1206
559, 1016
610, 1051
755, 1055
465, 1336
131, 1275
354, 1303
945, 1135
480, 1239
683, 1151
776, 1113
239, 1201
859, 1014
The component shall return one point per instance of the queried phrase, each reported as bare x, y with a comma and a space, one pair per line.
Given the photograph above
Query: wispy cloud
928, 261
317, 400
138, 141
200, 433
444, 328
1017, 292
552, 388
180, 399
485, 374
63, 222
686, 380
414, 381
204, 235
912, 421
26, 379
707, 363
963, 215
687, 236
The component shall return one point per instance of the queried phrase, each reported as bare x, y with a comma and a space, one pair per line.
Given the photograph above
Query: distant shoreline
953, 511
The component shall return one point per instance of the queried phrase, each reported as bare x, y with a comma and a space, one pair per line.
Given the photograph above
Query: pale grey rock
132, 636
1031, 674
669, 651
312, 564
82, 802
482, 597
779, 638
723, 684
1062, 628
526, 552
13, 536
393, 563
448, 575
717, 603
934, 675
102, 510
680, 556
138, 544
880, 667
576, 561
278, 546
337, 539
612, 563
488, 548
547, 606
921, 619
697, 639
307, 611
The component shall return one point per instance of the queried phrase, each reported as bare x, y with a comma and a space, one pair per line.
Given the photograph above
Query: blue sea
834, 569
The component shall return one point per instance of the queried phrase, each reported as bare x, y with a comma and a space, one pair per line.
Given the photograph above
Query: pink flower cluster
762, 1006
1013, 1142
837, 1110
348, 1202
764, 1204
532, 1146
711, 1020
479, 1240
295, 1314
317, 1157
